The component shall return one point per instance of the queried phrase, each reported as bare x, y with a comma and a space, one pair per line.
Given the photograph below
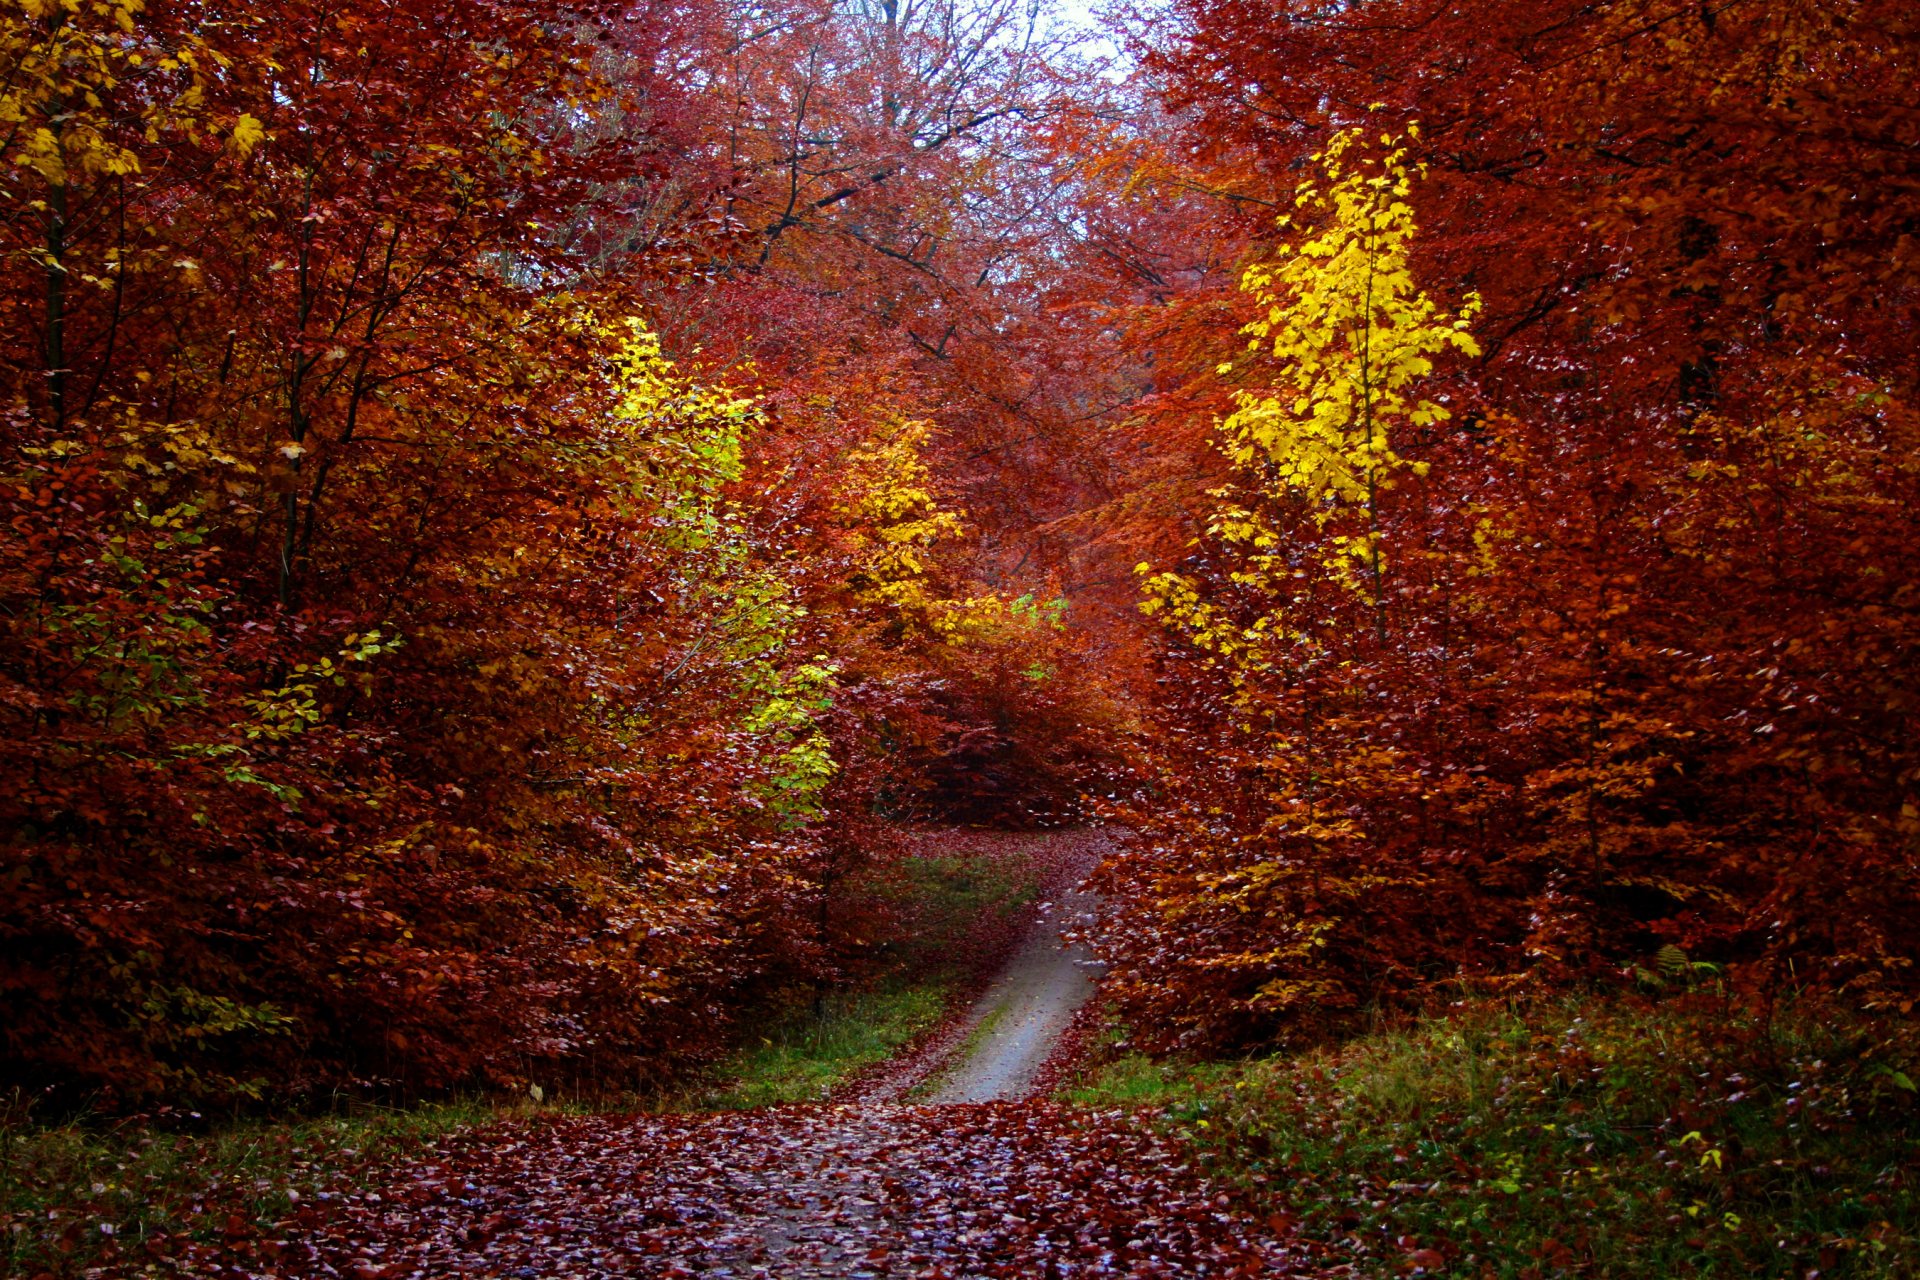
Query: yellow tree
1340, 352
79, 82
1350, 336
898, 530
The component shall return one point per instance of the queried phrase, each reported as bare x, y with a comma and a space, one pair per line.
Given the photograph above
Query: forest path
856, 1191
1022, 1020
1018, 1027
981, 1180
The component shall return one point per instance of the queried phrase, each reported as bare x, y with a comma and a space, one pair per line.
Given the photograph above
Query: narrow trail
1019, 1024
977, 1180
1017, 1027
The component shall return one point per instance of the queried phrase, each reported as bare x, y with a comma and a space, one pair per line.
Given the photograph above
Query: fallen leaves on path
989, 1190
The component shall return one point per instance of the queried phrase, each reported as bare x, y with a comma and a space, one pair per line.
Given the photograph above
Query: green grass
978, 1036
155, 1186
74, 1195
805, 1057
1611, 1137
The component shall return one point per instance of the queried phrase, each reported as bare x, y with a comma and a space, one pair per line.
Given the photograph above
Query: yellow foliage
1346, 338
1349, 333
895, 523
61, 62
684, 444
896, 527
894, 518
247, 134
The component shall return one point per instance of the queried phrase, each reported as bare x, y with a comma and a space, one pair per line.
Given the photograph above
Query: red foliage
384, 701
1644, 673
407, 679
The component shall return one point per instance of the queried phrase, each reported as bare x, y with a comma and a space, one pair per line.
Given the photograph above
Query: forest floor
943, 1163
949, 1160
948, 1123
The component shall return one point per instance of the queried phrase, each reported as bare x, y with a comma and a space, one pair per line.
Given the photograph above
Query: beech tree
509, 505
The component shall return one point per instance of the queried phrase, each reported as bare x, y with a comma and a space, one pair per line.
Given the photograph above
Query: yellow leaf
247, 133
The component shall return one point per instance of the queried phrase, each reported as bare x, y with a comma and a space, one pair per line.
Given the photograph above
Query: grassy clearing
76, 1195
1598, 1138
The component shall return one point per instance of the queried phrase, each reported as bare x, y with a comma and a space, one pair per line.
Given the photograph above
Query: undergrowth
83, 1191
949, 913
939, 918
73, 1192
805, 1057
1600, 1137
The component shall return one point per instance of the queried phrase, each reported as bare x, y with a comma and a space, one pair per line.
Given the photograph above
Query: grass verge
937, 917
116, 1197
950, 913
1604, 1137
75, 1196
961, 1054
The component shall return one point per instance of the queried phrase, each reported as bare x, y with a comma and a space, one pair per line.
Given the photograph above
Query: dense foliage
507, 503
412, 677
1546, 610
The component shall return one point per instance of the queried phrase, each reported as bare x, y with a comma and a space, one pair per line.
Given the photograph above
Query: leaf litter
1024, 1188
863, 1186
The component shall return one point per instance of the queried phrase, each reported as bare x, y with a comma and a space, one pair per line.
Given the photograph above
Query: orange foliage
1639, 669
410, 678
415, 672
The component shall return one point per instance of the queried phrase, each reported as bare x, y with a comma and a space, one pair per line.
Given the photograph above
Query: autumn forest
543, 540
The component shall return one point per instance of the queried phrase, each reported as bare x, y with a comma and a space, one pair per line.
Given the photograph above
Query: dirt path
981, 1180
1017, 1026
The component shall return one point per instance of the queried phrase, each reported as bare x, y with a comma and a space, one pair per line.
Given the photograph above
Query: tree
1582, 725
